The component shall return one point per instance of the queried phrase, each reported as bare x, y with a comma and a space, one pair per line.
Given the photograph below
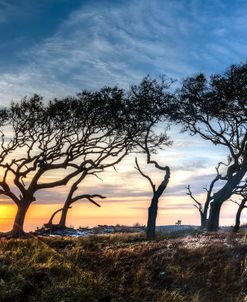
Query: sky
59, 47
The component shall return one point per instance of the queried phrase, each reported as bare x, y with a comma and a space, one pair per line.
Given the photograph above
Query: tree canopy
79, 136
216, 109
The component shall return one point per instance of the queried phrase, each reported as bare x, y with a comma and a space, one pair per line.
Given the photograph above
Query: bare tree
204, 207
157, 191
71, 198
151, 103
216, 109
50, 223
241, 206
241, 190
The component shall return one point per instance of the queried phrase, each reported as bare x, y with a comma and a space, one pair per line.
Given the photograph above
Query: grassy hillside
124, 268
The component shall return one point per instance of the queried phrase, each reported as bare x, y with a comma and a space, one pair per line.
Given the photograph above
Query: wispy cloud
119, 43
7, 10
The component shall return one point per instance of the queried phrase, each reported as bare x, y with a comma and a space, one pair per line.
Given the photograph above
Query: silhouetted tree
67, 205
157, 192
78, 135
50, 224
153, 101
75, 136
241, 190
147, 104
203, 207
216, 109
71, 198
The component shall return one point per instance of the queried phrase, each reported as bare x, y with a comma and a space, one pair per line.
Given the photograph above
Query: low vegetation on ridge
124, 267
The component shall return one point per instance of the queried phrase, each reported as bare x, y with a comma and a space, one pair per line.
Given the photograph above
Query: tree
152, 100
67, 206
203, 208
71, 198
216, 109
240, 190
50, 223
157, 192
147, 103
75, 136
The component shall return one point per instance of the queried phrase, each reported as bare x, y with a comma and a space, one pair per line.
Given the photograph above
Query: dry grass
124, 267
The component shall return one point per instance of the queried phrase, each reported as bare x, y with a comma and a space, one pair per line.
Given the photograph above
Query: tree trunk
238, 215
222, 195
203, 220
62, 222
205, 214
152, 214
237, 221
214, 216
17, 230
50, 223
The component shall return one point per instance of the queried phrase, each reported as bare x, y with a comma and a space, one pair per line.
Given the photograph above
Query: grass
122, 268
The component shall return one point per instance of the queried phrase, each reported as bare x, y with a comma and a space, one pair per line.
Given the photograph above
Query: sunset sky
59, 47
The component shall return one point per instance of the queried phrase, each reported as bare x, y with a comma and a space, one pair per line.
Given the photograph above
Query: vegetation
204, 207
240, 190
124, 267
84, 135
216, 109
156, 99
84, 141
98, 130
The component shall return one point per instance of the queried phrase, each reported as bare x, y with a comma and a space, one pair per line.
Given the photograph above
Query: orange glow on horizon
7, 214
128, 197
112, 212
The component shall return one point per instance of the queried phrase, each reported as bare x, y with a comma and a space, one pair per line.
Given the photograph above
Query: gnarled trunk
62, 221
50, 224
204, 219
225, 193
238, 215
152, 215
214, 216
17, 230
237, 221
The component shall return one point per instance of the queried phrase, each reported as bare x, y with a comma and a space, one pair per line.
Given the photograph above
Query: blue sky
59, 47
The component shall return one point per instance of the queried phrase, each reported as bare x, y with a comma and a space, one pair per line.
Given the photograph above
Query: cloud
181, 206
119, 43
7, 10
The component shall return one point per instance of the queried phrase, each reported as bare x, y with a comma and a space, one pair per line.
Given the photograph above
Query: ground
186, 266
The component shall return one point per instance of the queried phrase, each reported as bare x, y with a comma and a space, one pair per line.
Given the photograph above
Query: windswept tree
71, 198
216, 109
147, 104
73, 137
204, 207
240, 190
66, 138
157, 191
152, 101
